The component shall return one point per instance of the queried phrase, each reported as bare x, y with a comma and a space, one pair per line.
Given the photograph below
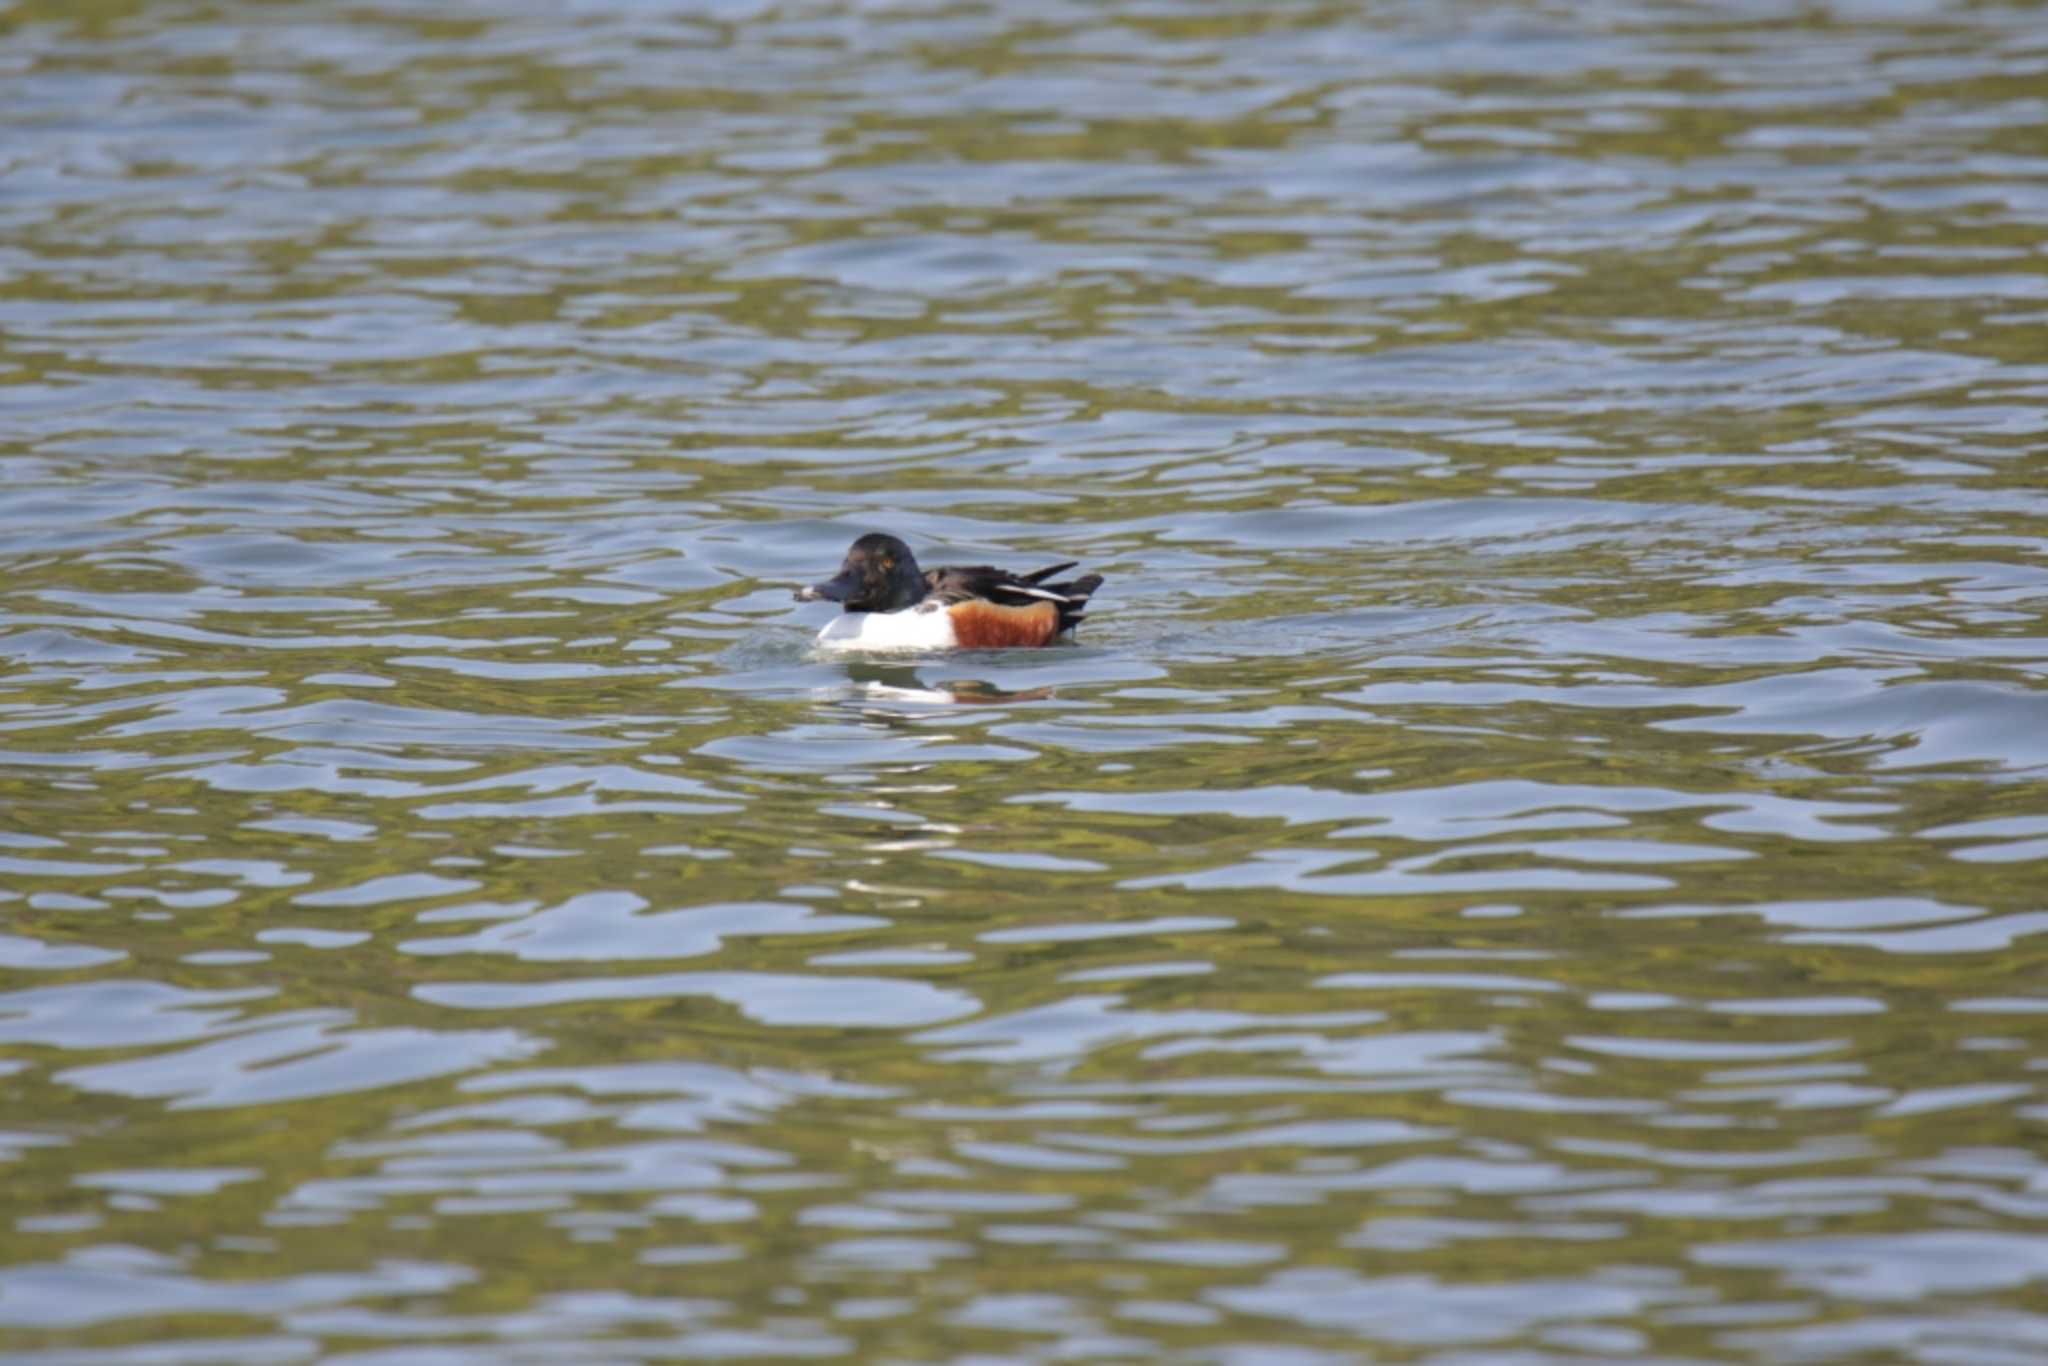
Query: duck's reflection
900, 682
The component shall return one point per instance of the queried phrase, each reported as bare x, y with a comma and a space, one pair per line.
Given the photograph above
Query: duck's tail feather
1073, 595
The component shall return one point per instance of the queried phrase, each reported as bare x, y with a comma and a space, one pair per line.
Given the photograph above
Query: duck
891, 604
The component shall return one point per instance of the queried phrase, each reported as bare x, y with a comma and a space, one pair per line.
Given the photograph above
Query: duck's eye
888, 562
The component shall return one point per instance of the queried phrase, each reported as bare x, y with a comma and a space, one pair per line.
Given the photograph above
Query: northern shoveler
893, 605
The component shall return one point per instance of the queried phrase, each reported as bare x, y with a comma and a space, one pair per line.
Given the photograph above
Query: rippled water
1537, 855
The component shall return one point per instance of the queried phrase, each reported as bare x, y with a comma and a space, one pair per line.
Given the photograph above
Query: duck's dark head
879, 574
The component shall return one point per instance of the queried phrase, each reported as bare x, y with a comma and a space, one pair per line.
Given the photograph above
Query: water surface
1535, 857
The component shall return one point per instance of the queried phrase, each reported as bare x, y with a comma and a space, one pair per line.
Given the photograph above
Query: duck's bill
832, 590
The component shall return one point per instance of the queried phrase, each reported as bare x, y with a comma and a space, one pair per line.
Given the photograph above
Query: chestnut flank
992, 626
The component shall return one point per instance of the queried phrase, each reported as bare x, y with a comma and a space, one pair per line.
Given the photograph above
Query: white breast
924, 627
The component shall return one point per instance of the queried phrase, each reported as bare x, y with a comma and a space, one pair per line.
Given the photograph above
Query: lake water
1537, 855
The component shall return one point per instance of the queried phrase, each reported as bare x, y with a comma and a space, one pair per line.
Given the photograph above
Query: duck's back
1012, 609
